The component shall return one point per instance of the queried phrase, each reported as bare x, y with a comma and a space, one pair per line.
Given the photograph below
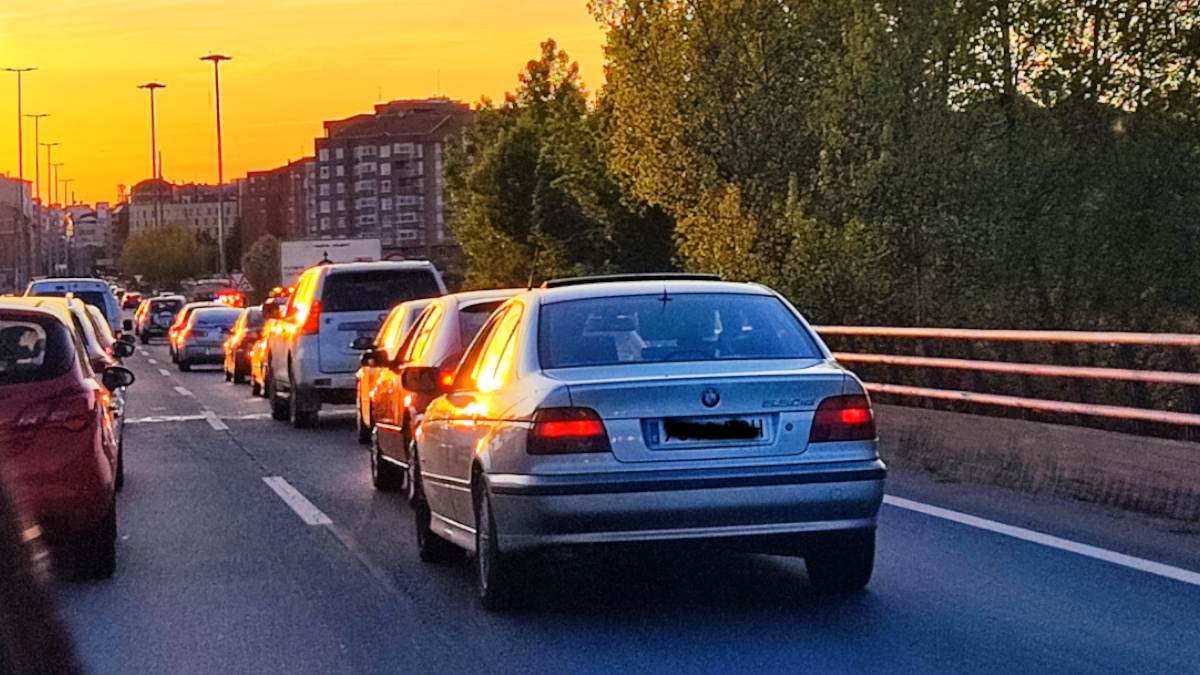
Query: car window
424, 337
472, 318
464, 379
375, 290
679, 327
496, 357
94, 298
389, 332
254, 318
100, 325
157, 306
410, 338
215, 317
32, 348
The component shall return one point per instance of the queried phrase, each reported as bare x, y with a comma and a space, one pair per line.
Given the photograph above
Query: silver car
634, 409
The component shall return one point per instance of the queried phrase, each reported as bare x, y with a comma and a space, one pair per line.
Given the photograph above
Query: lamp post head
18, 70
216, 58
152, 86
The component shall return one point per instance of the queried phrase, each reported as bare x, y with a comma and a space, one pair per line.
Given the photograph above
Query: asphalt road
217, 574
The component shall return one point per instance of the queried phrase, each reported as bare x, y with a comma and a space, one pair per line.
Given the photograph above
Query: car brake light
446, 379
311, 319
843, 418
72, 412
558, 431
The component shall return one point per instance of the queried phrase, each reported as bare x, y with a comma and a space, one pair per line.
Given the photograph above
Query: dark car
246, 332
58, 444
155, 316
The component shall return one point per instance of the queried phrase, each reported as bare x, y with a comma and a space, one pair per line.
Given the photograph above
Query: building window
385, 204
323, 154
339, 171
324, 206
341, 205
341, 188
324, 172
385, 151
408, 200
324, 189
385, 186
407, 218
385, 169
324, 224
403, 148
339, 153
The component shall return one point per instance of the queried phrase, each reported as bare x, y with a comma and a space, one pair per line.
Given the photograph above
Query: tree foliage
164, 256
260, 264
530, 191
1002, 162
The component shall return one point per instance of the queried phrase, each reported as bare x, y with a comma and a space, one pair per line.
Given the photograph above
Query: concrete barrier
1150, 475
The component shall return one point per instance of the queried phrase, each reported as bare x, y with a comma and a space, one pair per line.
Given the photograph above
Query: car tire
239, 376
119, 479
225, 371
301, 418
430, 547
497, 573
385, 476
255, 388
281, 410
362, 427
144, 338
844, 563
184, 366
97, 558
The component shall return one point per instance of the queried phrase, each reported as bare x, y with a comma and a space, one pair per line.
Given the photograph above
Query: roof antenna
537, 249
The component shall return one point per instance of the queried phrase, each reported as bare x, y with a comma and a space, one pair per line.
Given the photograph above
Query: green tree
164, 256
260, 264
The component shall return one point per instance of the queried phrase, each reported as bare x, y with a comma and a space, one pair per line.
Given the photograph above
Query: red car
58, 447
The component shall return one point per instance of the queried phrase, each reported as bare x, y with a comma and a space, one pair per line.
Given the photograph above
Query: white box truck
299, 255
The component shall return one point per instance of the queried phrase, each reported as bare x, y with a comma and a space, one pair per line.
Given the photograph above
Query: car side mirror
115, 377
123, 349
127, 325
374, 358
427, 380
363, 343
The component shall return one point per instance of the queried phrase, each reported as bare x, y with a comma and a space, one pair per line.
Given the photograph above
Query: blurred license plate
213, 351
688, 430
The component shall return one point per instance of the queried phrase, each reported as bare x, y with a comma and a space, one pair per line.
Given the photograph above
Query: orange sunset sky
296, 63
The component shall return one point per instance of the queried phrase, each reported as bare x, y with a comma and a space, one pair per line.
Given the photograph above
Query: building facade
380, 175
156, 202
17, 242
277, 202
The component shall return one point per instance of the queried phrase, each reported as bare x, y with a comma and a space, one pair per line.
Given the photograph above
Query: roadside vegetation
1028, 163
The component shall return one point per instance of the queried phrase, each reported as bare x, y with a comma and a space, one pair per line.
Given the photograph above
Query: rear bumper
201, 354
770, 504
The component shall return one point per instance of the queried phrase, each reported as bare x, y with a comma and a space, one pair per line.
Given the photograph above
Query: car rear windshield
93, 298
159, 306
679, 327
254, 318
215, 317
32, 349
375, 290
471, 319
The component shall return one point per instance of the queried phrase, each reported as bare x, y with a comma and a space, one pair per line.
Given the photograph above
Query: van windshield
375, 290
93, 298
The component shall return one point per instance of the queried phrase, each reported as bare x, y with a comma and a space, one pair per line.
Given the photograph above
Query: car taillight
843, 418
559, 431
446, 380
72, 412
311, 319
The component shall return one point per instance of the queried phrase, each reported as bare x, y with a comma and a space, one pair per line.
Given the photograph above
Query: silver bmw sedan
648, 409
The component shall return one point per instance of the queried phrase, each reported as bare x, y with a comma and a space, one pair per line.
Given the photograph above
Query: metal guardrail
1027, 369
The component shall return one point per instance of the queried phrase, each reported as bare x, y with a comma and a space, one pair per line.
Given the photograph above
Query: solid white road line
1131, 562
309, 513
156, 419
214, 421
164, 372
183, 392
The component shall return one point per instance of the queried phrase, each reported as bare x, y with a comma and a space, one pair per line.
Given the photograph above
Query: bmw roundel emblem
710, 398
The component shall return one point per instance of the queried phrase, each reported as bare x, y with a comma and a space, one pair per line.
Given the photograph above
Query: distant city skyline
297, 63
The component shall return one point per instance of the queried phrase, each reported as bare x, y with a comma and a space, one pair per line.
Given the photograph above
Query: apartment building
380, 175
277, 202
193, 205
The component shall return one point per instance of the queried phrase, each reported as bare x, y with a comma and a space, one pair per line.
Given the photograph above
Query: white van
94, 292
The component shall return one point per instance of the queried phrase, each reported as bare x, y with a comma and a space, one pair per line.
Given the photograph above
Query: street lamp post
49, 188
21, 234
216, 61
37, 142
152, 87
54, 181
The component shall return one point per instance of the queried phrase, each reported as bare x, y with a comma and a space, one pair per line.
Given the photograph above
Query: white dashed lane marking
164, 372
214, 421
309, 513
184, 392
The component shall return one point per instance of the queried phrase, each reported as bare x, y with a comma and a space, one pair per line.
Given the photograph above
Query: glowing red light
855, 415
570, 428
